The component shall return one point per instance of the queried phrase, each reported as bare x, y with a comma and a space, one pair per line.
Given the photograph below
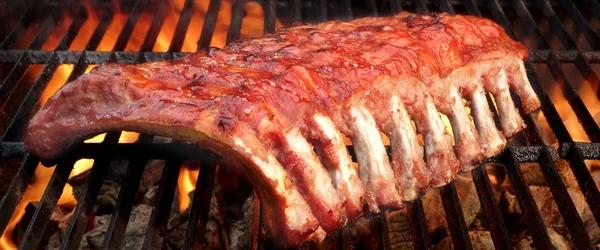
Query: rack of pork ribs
278, 108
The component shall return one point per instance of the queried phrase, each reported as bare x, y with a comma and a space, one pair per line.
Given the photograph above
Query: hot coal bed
144, 191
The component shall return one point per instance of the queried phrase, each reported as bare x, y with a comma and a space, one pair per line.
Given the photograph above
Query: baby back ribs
278, 108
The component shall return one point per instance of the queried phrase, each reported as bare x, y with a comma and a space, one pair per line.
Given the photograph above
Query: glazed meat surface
279, 107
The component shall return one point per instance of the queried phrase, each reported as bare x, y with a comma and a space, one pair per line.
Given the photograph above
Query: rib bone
374, 167
491, 139
522, 87
410, 170
441, 160
510, 119
311, 178
468, 148
333, 153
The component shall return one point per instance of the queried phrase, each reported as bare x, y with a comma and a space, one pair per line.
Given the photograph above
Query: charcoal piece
151, 175
216, 234
552, 217
107, 197
359, 235
479, 239
434, 208
134, 234
399, 229
55, 228
557, 240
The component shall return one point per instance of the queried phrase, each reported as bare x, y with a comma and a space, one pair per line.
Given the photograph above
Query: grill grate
25, 14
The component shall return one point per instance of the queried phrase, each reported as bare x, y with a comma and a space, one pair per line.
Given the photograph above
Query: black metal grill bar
10, 82
256, 223
586, 71
24, 22
84, 208
396, 6
100, 30
13, 10
421, 6
295, 10
588, 150
97, 57
348, 9
154, 30
270, 15
524, 15
129, 25
557, 26
445, 6
195, 234
418, 224
583, 114
182, 26
492, 213
157, 226
45, 31
454, 217
585, 180
73, 30
552, 116
35, 229
15, 191
384, 234
120, 216
595, 6
323, 10
575, 157
577, 105
28, 105
581, 23
236, 21
209, 24
472, 8
565, 206
583, 176
535, 225
372, 8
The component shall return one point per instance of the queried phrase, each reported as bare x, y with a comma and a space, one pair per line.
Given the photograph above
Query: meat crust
268, 104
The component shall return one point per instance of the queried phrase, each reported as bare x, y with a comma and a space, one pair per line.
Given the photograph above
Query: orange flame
185, 184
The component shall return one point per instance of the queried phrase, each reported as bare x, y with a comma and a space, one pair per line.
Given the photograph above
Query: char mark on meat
279, 108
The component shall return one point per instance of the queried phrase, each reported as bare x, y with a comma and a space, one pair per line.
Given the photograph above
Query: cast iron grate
21, 15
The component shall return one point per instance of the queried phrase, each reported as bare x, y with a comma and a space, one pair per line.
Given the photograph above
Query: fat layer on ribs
279, 107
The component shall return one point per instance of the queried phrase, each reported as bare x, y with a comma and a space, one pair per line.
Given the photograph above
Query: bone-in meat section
257, 101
